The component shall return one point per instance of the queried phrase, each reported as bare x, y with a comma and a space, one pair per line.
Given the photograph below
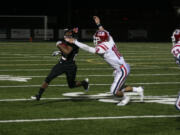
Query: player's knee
117, 93
48, 80
113, 93
50, 77
71, 86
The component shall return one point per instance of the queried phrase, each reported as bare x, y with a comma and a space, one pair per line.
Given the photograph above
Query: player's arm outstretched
84, 46
99, 25
80, 45
98, 22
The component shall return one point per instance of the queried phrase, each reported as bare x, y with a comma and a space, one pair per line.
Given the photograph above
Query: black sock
83, 82
41, 92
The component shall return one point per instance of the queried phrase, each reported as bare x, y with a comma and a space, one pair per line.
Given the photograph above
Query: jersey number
115, 50
176, 52
101, 33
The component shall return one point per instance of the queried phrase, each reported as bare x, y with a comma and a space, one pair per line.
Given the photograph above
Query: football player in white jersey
176, 53
106, 48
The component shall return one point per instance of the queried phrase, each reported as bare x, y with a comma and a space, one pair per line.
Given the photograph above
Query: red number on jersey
115, 50
176, 52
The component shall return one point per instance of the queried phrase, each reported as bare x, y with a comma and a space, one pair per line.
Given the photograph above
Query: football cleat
85, 84
177, 104
124, 101
36, 97
140, 91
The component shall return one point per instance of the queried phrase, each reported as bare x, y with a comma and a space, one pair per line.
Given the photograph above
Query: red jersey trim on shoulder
97, 50
103, 47
178, 45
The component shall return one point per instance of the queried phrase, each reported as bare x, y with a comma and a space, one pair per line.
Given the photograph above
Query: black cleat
36, 97
85, 84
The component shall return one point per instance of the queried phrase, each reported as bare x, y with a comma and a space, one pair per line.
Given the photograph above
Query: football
63, 45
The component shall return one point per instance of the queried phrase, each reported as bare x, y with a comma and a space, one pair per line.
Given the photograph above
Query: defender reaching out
106, 48
176, 53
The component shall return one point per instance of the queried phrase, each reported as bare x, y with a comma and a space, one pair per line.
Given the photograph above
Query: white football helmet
100, 36
175, 36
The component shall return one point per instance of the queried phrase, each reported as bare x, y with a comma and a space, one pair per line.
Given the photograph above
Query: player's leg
56, 70
132, 89
118, 85
138, 90
177, 104
71, 76
41, 90
84, 83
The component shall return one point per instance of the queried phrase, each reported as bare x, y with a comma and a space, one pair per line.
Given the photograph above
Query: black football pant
69, 68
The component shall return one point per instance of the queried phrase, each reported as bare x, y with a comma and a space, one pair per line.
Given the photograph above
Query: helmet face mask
71, 33
68, 33
173, 40
96, 40
100, 36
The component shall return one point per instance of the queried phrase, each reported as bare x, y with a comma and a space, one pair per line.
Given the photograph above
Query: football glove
55, 53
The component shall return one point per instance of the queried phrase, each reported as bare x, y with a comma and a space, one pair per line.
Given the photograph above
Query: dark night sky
152, 15
60, 7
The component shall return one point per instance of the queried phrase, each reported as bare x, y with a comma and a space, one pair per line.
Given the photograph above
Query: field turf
152, 66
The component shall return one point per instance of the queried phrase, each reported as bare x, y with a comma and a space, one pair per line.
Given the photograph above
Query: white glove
58, 42
55, 53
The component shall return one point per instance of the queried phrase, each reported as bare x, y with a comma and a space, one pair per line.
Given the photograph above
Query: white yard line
110, 75
64, 85
7, 70
89, 69
89, 61
84, 98
150, 59
83, 54
89, 118
29, 99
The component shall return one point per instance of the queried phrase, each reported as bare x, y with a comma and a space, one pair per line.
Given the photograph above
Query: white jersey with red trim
176, 52
110, 53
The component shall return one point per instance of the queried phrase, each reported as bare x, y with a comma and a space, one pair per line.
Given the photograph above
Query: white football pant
120, 75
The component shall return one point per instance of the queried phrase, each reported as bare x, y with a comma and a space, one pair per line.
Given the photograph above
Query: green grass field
152, 66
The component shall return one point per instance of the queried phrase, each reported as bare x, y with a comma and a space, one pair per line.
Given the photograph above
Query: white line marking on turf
89, 61
14, 78
89, 69
29, 99
48, 54
25, 60
84, 98
50, 69
110, 75
89, 118
64, 85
